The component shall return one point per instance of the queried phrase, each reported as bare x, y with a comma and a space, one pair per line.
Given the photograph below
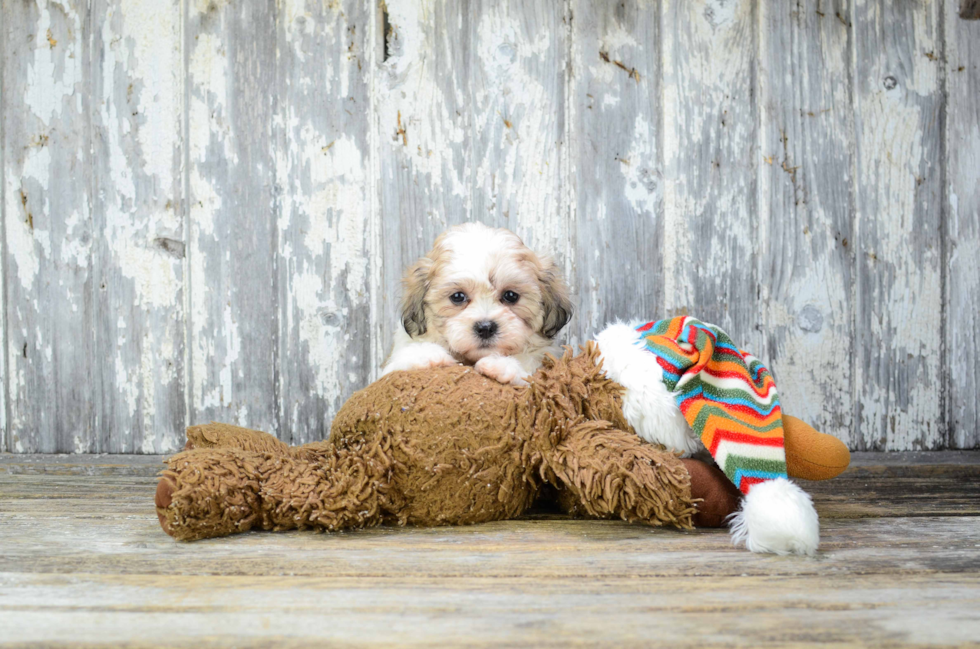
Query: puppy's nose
485, 329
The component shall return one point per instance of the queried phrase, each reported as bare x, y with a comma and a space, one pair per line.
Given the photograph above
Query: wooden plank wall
207, 204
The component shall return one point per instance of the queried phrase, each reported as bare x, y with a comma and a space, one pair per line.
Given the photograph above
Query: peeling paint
140, 116
715, 152
709, 184
54, 74
20, 240
324, 216
962, 298
899, 301
643, 182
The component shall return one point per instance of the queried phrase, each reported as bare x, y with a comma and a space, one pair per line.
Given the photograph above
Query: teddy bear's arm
616, 474
215, 435
210, 492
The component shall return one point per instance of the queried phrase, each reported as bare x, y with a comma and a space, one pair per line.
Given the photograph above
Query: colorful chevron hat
688, 387
726, 395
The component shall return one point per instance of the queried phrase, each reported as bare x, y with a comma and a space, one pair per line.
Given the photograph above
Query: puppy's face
483, 292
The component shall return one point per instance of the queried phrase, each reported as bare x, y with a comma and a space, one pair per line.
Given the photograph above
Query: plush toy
450, 446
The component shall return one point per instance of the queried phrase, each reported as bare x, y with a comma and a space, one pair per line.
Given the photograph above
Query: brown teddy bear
448, 446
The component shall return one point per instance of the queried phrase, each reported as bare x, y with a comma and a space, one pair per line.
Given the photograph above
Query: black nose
485, 329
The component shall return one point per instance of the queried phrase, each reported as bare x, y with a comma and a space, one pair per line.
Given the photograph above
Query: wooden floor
83, 562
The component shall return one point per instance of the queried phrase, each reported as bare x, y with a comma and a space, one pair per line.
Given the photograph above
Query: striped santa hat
690, 388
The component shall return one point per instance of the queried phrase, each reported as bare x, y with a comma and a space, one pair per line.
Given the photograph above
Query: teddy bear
448, 446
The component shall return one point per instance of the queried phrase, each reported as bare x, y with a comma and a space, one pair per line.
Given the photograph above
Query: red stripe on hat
748, 482
742, 438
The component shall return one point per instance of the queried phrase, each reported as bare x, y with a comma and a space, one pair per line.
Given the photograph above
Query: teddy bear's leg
718, 497
615, 473
215, 492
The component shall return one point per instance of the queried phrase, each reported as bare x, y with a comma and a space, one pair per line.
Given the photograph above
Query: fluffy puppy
480, 297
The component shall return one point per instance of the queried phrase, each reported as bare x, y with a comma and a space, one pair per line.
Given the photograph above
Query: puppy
480, 297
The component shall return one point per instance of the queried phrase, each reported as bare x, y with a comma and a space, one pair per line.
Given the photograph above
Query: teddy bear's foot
812, 455
211, 492
164, 496
719, 497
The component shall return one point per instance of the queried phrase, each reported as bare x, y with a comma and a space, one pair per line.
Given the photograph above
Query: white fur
776, 516
649, 407
417, 355
503, 369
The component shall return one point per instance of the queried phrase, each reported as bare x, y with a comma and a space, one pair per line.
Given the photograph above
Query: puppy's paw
419, 356
502, 369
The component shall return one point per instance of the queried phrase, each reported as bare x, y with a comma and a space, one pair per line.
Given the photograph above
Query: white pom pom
776, 516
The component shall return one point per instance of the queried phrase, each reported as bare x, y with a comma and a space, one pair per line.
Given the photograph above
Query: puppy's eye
457, 298
510, 297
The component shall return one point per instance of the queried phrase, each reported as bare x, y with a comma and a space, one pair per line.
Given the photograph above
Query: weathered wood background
207, 204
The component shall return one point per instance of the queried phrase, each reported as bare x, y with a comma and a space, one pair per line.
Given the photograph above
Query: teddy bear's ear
555, 302
415, 285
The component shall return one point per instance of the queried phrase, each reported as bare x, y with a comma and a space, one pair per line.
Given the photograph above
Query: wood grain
57, 523
277, 611
898, 249
616, 164
232, 339
423, 128
806, 209
324, 212
85, 561
48, 229
515, 87
138, 257
146, 466
887, 491
710, 117
962, 236
4, 427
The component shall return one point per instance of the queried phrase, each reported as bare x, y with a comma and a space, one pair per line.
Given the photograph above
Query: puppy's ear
554, 299
415, 285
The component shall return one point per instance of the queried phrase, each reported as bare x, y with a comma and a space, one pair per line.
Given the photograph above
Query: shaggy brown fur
433, 447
